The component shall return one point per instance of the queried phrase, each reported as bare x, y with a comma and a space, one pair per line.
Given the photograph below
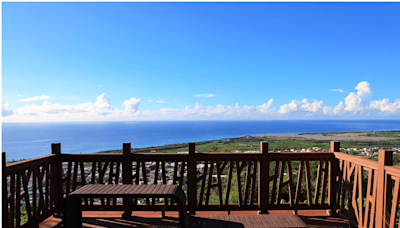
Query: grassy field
253, 143
371, 133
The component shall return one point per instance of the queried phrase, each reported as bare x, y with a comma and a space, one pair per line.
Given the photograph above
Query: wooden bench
73, 211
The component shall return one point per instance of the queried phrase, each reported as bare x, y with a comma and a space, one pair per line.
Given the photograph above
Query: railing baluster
219, 172
18, 199
209, 182
47, 202
360, 195
318, 182
395, 204
75, 177
324, 181
308, 182
275, 180
192, 178
263, 178
41, 204
281, 174
253, 182
299, 179
385, 157
182, 174
334, 179
228, 186
68, 178
127, 177
164, 173
4, 196
354, 198
203, 184
239, 185
290, 179
247, 183
34, 195
25, 180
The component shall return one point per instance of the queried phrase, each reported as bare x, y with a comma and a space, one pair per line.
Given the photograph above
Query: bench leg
183, 220
127, 207
73, 213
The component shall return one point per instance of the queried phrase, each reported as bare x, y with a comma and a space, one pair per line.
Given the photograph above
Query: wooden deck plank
102, 219
267, 220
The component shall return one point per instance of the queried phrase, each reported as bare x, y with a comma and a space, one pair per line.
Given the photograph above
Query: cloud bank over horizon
355, 104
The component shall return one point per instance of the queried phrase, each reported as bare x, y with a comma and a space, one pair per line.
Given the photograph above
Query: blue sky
200, 61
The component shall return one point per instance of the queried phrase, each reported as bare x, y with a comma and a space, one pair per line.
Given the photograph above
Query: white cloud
363, 89
266, 107
354, 101
205, 95
385, 106
162, 102
337, 110
315, 106
19, 95
338, 90
103, 105
102, 109
219, 111
303, 105
35, 98
132, 105
291, 107
5, 109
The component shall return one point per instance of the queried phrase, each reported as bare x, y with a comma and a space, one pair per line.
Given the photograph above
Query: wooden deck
92, 219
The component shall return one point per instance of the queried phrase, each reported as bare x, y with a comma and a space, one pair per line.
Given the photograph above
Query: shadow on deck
92, 219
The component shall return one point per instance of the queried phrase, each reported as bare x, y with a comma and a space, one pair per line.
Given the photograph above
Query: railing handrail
357, 160
28, 162
392, 170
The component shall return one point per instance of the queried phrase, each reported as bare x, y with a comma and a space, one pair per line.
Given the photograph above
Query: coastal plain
355, 143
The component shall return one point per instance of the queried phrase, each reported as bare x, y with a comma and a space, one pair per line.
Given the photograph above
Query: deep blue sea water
28, 140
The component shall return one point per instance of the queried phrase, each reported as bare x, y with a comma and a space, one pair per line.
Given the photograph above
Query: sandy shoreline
323, 137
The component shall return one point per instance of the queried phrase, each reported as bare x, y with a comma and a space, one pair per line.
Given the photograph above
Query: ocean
29, 140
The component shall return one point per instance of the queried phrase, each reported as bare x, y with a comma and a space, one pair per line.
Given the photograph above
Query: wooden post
4, 190
385, 157
127, 178
263, 178
56, 185
335, 146
333, 191
192, 178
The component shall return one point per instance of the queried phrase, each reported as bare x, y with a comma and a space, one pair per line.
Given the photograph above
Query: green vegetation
275, 144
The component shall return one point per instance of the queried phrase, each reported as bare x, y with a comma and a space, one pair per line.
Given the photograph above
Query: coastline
354, 137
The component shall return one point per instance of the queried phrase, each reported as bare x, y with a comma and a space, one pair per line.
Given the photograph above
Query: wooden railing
368, 191
28, 188
362, 190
